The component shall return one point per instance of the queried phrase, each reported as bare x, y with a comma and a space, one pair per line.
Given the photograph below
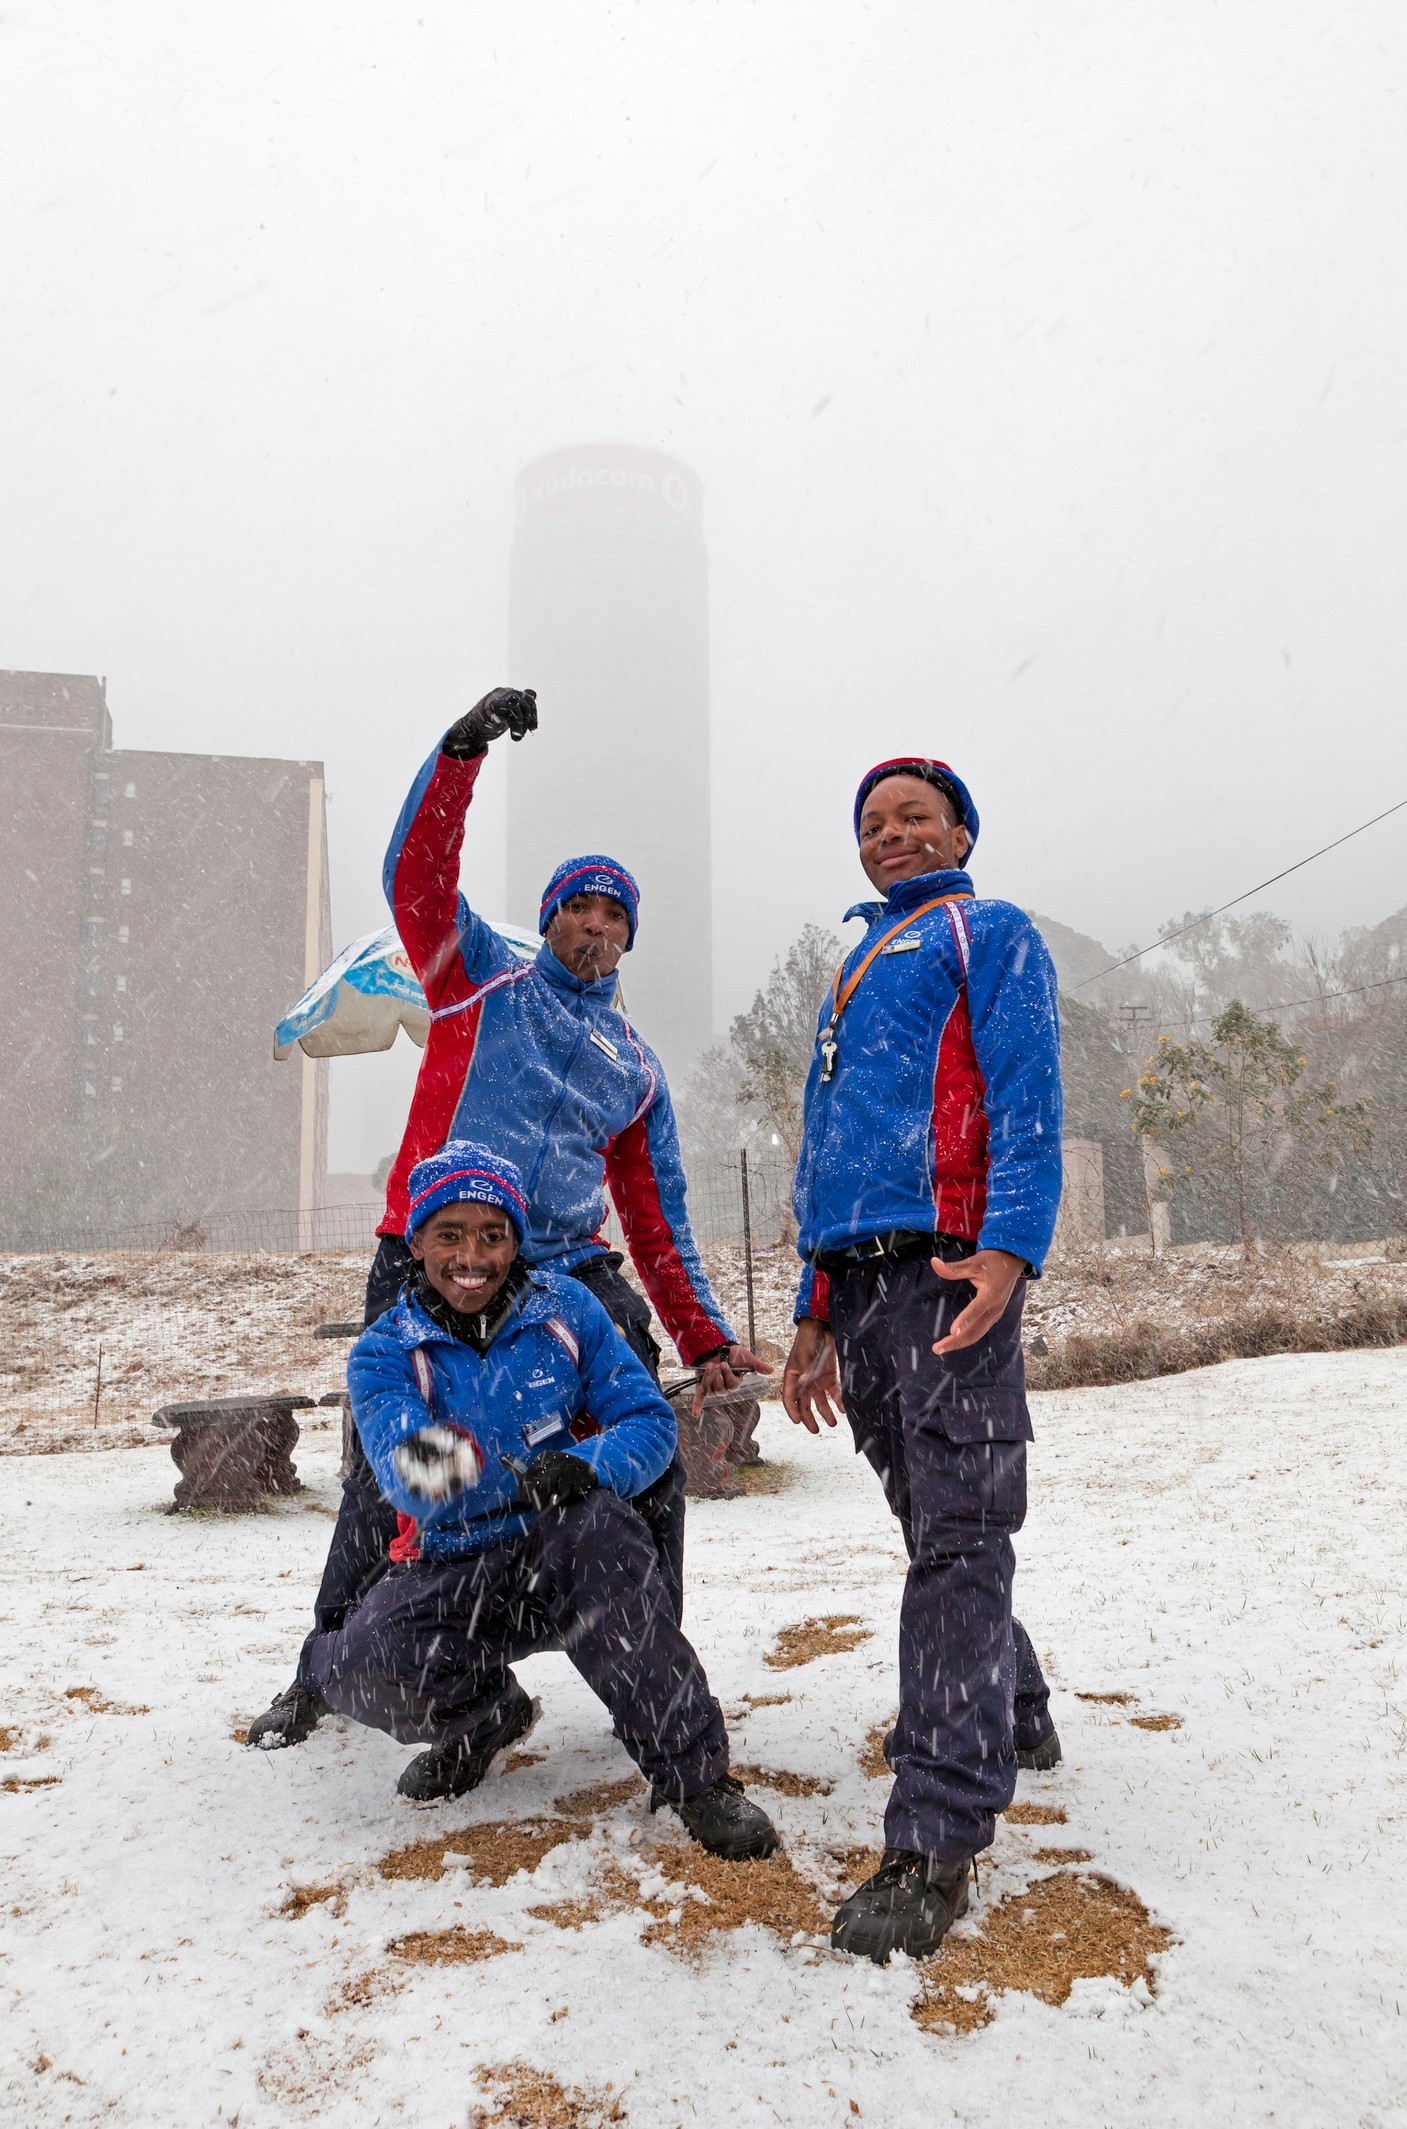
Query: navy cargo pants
366, 1524
947, 1438
425, 1655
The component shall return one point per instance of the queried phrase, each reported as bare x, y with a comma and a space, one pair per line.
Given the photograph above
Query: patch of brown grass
362, 1991
1062, 1929
766, 1700
9, 1739
834, 1634
1156, 1722
782, 1780
872, 1759
450, 1947
766, 1890
615, 1890
763, 1478
515, 1760
93, 1700
1064, 1855
301, 1898
523, 2098
599, 1798
15, 1783
1107, 1700
240, 1735
1034, 1815
1135, 1352
499, 1850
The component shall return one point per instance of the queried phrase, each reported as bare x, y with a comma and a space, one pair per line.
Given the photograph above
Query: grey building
161, 910
608, 620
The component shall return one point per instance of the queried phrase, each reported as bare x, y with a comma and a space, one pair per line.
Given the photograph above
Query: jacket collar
601, 992
414, 1327
910, 894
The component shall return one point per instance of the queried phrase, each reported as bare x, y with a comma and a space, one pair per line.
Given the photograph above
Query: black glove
503, 709
556, 1479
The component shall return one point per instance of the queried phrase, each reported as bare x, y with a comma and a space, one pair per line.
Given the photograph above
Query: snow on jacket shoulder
557, 1360
528, 1059
943, 1112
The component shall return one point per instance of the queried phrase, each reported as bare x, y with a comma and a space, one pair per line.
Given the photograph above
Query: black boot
909, 1905
451, 1770
1040, 1758
287, 1720
724, 1820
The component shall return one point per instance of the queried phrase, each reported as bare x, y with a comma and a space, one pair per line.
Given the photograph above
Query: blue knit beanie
591, 875
463, 1170
936, 773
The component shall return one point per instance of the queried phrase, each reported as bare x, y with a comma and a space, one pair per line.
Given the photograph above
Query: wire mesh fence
105, 1327
280, 1231
96, 1342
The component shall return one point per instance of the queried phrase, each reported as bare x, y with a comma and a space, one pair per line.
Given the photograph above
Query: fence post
747, 1252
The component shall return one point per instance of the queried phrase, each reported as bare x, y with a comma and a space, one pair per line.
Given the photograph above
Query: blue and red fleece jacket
526, 1058
943, 1111
557, 1375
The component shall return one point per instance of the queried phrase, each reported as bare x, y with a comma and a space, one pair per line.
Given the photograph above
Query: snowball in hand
438, 1462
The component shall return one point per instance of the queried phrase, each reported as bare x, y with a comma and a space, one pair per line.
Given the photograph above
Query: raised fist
503, 709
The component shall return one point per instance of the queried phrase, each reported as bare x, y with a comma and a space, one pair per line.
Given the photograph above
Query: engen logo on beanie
461, 1170
932, 772
591, 875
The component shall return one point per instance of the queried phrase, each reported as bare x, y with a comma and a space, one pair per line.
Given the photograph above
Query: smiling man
535, 1059
925, 1196
512, 1430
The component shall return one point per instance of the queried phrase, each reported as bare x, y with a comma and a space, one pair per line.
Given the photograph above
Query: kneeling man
510, 1425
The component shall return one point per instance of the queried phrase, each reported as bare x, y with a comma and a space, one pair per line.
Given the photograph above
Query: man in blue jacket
535, 1058
926, 1195
510, 1425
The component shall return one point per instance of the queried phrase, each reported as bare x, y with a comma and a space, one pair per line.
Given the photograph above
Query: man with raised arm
926, 1196
534, 1059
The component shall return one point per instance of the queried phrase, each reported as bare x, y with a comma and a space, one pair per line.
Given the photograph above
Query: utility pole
1134, 1016
747, 1250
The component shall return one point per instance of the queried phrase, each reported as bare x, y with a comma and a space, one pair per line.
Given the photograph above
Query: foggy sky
1043, 363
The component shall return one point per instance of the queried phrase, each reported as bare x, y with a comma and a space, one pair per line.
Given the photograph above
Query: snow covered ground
196, 1934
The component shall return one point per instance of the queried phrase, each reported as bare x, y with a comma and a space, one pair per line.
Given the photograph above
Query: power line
1285, 1004
1208, 914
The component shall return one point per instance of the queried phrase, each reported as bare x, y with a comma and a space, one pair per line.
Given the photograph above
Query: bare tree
774, 1040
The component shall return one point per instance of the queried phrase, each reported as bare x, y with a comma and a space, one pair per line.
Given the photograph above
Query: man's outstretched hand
994, 1273
503, 709
724, 1371
811, 1378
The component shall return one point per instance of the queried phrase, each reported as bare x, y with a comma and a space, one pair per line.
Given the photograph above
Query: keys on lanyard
843, 992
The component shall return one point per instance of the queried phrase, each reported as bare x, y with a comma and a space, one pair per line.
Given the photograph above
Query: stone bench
231, 1451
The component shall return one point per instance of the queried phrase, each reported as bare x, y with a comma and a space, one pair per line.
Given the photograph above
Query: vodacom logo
671, 488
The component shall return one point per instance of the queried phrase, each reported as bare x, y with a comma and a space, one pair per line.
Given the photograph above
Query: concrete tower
608, 620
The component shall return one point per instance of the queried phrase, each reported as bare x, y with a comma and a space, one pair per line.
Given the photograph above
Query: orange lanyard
841, 994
